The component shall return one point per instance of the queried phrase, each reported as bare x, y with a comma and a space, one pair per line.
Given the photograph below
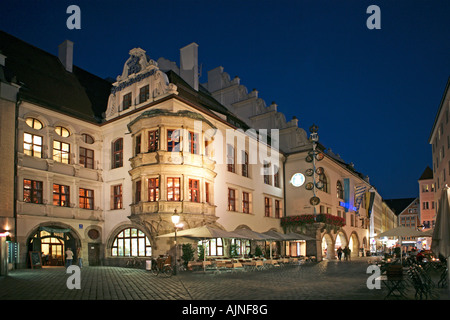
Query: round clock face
298, 180
314, 201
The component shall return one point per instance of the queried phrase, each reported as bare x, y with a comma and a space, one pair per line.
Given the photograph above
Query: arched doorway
353, 244
52, 242
327, 247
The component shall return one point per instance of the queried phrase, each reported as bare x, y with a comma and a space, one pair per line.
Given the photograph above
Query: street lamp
175, 220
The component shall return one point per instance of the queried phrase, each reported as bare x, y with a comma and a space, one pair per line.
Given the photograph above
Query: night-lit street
327, 280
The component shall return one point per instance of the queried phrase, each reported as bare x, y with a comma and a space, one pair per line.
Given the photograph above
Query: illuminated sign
297, 180
347, 205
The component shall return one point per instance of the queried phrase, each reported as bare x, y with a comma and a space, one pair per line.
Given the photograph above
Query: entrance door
94, 254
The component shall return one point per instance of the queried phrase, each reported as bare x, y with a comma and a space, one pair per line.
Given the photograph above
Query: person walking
339, 252
346, 253
80, 262
69, 257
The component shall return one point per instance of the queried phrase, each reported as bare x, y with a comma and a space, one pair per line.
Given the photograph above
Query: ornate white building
102, 165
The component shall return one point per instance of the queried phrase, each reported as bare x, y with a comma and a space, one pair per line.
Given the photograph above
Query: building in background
427, 200
407, 211
440, 144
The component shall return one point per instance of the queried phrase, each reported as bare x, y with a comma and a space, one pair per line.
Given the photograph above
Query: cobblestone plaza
327, 280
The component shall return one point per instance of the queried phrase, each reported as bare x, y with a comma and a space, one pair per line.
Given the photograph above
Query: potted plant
188, 253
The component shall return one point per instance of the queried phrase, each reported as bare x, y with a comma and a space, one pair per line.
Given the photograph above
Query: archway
327, 247
353, 244
52, 241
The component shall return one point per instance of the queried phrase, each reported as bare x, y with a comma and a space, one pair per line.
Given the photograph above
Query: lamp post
175, 220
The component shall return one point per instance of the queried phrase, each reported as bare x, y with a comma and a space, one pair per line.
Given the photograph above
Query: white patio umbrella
253, 235
440, 243
400, 232
203, 233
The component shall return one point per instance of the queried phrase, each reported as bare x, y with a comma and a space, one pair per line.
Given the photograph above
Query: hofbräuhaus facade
101, 166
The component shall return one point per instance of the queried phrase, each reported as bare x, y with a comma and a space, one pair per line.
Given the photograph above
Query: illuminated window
231, 199
32, 145
267, 207
153, 189
61, 195
32, 191
278, 209
117, 197
194, 192
173, 140
131, 242
63, 132
86, 200
87, 158
153, 139
242, 246
117, 155
214, 247
173, 189
61, 151
34, 123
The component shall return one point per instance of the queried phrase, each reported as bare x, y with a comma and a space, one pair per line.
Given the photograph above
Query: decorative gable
141, 82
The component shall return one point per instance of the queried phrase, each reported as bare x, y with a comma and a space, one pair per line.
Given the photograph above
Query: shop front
52, 242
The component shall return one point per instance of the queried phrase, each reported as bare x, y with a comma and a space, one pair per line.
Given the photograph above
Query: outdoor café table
394, 285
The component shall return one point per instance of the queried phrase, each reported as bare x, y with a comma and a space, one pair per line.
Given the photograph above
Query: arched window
87, 138
34, 123
117, 153
339, 190
131, 242
63, 132
324, 181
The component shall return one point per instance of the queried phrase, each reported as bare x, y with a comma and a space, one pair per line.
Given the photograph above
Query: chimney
65, 54
189, 64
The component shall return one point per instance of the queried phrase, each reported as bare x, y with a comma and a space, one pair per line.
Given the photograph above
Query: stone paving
327, 280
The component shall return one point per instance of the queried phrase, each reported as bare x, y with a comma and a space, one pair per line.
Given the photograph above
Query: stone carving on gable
138, 71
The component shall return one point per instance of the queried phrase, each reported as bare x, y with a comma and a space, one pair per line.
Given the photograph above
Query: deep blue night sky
373, 93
